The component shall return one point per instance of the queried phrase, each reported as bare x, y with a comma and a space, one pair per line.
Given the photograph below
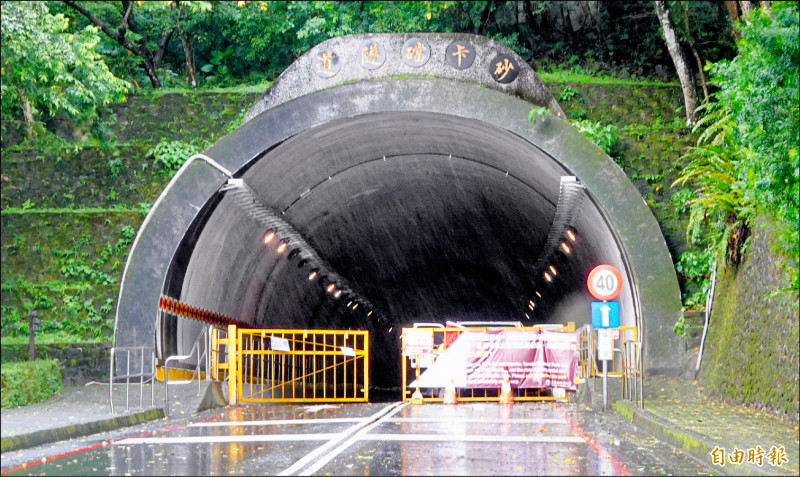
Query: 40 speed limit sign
604, 282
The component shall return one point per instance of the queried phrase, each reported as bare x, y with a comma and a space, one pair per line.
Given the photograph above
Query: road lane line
302, 462
223, 439
470, 438
479, 420
330, 455
280, 422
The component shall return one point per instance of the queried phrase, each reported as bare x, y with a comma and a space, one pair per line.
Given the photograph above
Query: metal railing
282, 365
141, 374
205, 338
633, 381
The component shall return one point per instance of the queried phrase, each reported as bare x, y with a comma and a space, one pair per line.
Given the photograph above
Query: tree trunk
694, 51
188, 54
118, 35
27, 111
767, 7
676, 53
484, 17
747, 9
733, 12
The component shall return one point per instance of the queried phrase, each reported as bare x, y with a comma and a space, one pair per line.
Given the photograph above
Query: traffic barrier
416, 398
506, 397
450, 396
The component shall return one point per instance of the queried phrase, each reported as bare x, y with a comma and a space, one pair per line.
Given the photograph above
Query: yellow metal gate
300, 365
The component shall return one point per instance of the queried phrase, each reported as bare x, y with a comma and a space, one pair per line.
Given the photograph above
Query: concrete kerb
48, 436
183, 401
688, 441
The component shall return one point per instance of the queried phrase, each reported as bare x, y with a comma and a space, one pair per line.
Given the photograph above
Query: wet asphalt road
372, 439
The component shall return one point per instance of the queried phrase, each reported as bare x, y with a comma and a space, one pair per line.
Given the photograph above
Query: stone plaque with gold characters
326, 63
504, 69
372, 55
416, 52
460, 55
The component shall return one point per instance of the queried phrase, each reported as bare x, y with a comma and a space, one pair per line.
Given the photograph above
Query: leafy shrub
29, 382
567, 94
170, 155
605, 137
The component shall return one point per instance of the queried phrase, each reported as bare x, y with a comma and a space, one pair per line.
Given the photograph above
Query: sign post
34, 325
605, 283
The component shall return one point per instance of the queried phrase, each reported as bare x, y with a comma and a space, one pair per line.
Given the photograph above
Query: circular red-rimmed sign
604, 282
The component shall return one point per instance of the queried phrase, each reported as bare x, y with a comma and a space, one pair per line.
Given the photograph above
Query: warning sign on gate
534, 358
417, 341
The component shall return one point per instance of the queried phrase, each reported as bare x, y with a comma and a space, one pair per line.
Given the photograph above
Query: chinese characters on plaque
416, 52
326, 63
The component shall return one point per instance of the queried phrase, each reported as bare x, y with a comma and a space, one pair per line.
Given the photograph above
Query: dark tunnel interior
424, 217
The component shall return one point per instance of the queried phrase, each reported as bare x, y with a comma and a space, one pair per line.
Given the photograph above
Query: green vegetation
746, 162
29, 382
46, 69
170, 155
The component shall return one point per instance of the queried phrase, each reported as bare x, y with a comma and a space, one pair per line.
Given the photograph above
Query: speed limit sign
604, 282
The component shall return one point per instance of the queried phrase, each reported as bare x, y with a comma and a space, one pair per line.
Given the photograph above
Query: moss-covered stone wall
751, 353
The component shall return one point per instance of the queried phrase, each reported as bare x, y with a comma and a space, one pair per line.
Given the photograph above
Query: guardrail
141, 374
204, 337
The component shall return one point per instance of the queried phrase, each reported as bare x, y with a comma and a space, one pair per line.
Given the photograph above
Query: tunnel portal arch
424, 193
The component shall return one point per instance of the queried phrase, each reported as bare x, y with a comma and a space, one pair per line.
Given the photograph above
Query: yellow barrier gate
442, 338
298, 365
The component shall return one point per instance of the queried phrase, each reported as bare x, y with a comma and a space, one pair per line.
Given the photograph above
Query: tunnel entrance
394, 200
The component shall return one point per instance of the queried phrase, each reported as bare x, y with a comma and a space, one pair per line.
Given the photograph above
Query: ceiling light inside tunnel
313, 274
337, 294
548, 277
268, 238
330, 288
527, 316
571, 235
282, 247
553, 270
370, 314
538, 294
531, 305
566, 248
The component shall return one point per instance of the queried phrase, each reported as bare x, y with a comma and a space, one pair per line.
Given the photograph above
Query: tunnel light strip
290, 238
569, 197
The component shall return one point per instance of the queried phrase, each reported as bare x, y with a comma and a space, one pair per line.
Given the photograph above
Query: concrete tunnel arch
423, 191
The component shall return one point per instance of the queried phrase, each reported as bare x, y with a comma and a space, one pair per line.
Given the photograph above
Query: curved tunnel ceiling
430, 217
427, 199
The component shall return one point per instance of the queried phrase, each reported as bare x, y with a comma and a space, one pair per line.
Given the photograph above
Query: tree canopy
48, 69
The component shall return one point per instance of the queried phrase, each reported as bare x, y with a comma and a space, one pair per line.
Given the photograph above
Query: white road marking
277, 422
323, 448
468, 438
319, 407
457, 420
219, 439
330, 455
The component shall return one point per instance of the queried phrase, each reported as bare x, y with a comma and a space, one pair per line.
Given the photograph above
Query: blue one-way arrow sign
605, 314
